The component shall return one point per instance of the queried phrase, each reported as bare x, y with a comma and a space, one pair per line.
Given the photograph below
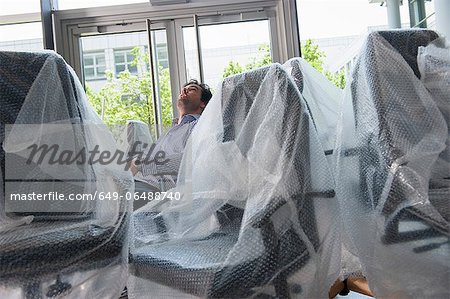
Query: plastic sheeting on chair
57, 248
391, 135
257, 215
138, 134
322, 98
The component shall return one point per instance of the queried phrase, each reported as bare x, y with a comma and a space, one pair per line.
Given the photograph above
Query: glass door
117, 69
223, 51
118, 78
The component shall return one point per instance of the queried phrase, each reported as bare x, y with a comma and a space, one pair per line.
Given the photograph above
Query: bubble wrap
323, 99
81, 253
434, 65
393, 196
257, 215
138, 134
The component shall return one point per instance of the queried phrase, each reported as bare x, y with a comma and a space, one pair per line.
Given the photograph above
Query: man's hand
133, 167
181, 108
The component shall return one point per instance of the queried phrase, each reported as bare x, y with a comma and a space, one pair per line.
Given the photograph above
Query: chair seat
38, 253
210, 252
189, 265
214, 267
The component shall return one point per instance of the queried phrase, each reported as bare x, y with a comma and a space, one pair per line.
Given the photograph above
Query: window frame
21, 19
126, 63
70, 25
95, 65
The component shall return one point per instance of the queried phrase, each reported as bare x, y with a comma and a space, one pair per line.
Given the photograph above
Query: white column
393, 9
442, 12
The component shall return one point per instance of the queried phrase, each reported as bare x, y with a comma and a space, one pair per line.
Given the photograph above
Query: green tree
129, 97
337, 79
262, 58
310, 52
232, 68
313, 54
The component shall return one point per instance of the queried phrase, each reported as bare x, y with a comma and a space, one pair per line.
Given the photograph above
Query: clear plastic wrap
256, 213
389, 140
138, 134
57, 246
134, 141
322, 98
434, 66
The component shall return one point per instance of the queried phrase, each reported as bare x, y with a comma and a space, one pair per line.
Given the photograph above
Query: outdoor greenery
129, 97
262, 58
315, 56
310, 52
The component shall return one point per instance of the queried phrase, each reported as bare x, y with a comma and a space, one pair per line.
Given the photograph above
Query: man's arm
169, 167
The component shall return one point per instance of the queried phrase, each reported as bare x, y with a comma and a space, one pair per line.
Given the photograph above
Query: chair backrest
22, 104
407, 43
16, 76
434, 63
277, 172
392, 128
434, 66
138, 131
391, 134
43, 103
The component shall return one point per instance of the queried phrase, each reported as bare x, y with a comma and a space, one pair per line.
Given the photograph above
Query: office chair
258, 219
138, 131
391, 135
138, 140
54, 250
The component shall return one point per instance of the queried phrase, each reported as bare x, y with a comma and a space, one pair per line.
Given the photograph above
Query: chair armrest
263, 217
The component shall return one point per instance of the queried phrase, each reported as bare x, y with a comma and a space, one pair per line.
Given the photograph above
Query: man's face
189, 100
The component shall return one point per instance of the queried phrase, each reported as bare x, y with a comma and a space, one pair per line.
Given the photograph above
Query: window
132, 95
94, 65
269, 30
421, 14
19, 7
330, 48
21, 37
123, 61
162, 55
20, 26
224, 52
72, 4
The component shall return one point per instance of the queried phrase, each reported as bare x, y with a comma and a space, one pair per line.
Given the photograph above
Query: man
192, 100
159, 169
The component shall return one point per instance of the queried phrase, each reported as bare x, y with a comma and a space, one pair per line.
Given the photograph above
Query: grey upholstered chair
391, 135
53, 252
261, 250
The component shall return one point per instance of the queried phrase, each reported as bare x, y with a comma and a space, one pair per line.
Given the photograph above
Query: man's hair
206, 91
